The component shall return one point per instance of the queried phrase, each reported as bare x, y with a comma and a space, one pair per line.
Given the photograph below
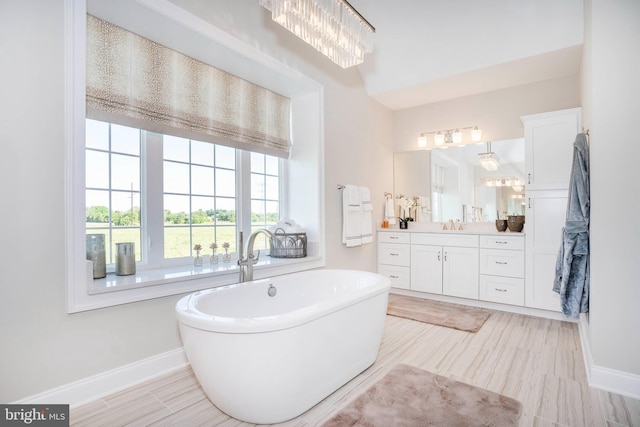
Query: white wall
42, 346
497, 113
611, 105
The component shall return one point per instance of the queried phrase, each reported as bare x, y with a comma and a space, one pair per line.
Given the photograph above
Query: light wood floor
536, 361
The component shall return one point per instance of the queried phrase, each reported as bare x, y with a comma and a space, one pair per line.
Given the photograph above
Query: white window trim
306, 104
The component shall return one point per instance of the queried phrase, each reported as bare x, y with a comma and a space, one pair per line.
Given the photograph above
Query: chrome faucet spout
240, 255
246, 264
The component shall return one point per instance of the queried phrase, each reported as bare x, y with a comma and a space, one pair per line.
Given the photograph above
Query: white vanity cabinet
502, 269
445, 264
394, 258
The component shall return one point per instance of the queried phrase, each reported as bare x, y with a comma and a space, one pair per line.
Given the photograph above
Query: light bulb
457, 137
476, 134
422, 140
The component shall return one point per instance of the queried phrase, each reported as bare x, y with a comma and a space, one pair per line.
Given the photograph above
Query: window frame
307, 124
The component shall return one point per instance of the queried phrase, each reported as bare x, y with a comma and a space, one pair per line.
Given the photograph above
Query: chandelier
489, 160
333, 27
448, 137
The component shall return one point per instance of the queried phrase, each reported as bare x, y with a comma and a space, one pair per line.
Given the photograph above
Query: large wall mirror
451, 184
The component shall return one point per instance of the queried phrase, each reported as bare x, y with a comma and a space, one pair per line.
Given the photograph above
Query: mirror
451, 184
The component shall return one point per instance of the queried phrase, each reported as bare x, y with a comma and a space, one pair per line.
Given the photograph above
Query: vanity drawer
400, 276
394, 254
502, 263
505, 290
387, 237
457, 240
502, 242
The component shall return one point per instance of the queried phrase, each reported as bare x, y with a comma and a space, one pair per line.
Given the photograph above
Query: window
175, 276
195, 201
199, 194
265, 194
112, 195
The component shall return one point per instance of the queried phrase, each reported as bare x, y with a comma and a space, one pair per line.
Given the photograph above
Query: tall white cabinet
549, 141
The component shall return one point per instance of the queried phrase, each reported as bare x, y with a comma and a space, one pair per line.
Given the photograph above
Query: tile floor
536, 361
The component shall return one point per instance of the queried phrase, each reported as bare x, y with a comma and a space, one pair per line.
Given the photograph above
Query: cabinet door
549, 141
546, 212
426, 268
460, 272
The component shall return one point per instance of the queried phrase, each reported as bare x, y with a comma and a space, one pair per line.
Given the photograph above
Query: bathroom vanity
483, 266
480, 265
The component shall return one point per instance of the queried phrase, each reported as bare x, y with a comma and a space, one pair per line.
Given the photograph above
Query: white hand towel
351, 216
367, 208
390, 212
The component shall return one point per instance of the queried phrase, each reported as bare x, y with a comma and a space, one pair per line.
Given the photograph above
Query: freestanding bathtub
266, 359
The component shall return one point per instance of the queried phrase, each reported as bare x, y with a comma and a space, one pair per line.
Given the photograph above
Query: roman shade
136, 82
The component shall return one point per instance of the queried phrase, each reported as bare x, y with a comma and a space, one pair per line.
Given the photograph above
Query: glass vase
197, 260
226, 257
213, 259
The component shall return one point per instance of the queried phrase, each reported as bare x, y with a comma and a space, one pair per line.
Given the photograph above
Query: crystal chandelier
489, 160
333, 27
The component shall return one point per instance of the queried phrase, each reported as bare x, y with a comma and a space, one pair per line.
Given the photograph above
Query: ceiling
429, 51
425, 51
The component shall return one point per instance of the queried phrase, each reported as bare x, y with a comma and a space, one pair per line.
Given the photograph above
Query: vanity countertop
476, 229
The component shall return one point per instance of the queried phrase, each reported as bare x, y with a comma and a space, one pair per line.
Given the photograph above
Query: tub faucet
246, 264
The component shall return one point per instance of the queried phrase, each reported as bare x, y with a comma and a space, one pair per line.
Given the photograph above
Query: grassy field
177, 240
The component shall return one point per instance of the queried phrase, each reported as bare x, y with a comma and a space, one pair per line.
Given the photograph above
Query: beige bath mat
454, 316
409, 396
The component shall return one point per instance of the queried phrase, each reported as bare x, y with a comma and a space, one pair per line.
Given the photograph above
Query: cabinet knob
445, 256
529, 178
438, 255
500, 290
501, 243
393, 277
392, 254
501, 263
393, 237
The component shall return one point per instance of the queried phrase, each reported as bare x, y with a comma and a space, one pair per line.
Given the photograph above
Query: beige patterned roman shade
136, 82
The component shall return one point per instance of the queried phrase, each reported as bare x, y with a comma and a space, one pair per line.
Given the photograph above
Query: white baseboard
100, 385
619, 382
615, 381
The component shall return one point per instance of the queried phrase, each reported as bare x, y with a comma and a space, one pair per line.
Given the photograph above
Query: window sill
148, 284
183, 273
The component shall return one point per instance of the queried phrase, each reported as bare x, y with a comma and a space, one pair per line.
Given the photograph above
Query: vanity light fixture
448, 137
333, 27
503, 181
489, 160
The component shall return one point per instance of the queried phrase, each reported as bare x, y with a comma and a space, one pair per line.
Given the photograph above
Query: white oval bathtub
264, 359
